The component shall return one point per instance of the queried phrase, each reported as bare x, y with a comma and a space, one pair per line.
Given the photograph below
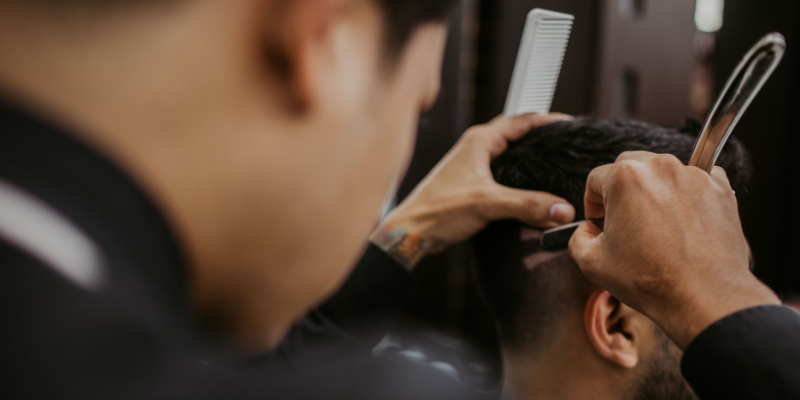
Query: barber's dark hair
558, 158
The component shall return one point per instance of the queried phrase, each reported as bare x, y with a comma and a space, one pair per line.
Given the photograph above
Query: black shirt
132, 336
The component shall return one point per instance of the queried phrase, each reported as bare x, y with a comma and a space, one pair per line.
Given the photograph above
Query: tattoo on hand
406, 248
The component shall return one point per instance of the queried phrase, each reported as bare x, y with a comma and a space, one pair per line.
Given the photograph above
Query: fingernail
562, 117
561, 212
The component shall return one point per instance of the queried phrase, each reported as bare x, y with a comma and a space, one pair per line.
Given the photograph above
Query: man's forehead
532, 253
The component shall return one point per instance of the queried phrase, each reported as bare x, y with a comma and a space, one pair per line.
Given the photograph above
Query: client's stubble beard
663, 380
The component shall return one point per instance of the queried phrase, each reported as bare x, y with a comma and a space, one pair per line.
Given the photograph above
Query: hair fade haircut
558, 158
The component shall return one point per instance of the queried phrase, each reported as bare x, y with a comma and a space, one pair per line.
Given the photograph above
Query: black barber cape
93, 298
93, 305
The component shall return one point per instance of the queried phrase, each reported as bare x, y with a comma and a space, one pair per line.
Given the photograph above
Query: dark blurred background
659, 61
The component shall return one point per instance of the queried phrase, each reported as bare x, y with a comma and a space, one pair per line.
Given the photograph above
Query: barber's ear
615, 330
295, 35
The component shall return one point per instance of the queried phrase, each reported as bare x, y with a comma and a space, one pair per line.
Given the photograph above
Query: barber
673, 248
182, 180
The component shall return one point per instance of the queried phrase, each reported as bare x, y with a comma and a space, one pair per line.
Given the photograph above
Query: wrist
683, 320
402, 241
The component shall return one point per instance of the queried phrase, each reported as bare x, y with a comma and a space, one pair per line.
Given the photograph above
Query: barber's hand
460, 197
672, 246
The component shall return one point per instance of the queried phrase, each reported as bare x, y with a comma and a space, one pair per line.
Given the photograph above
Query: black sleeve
357, 317
61, 342
752, 354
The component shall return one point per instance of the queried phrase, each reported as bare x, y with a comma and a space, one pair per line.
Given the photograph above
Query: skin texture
596, 347
459, 197
269, 133
604, 354
673, 246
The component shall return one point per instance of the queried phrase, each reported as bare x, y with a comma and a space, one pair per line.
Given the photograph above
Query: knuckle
631, 155
499, 146
719, 171
698, 176
721, 177
627, 172
482, 137
667, 162
535, 210
473, 132
625, 155
626, 166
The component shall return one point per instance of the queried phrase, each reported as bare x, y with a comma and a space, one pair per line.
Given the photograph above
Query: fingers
593, 202
584, 245
636, 156
538, 209
721, 177
601, 178
630, 170
494, 136
512, 129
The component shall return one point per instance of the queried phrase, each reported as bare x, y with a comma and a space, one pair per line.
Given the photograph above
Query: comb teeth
541, 53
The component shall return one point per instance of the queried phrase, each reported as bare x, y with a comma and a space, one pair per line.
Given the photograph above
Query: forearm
683, 318
403, 246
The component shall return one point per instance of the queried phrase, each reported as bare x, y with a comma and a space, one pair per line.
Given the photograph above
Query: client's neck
563, 366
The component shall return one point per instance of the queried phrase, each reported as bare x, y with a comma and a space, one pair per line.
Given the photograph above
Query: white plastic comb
541, 53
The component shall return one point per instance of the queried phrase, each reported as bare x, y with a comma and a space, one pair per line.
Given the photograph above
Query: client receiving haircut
530, 305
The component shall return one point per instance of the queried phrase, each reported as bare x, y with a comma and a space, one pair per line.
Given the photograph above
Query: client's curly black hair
558, 157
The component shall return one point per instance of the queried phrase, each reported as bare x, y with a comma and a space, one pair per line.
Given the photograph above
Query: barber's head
549, 316
268, 130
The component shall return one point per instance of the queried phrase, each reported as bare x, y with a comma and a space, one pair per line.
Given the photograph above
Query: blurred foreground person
562, 336
181, 181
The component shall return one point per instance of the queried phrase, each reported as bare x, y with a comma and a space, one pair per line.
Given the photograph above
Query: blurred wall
442, 125
441, 280
645, 60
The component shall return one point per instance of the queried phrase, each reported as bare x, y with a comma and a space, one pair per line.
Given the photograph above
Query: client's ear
615, 330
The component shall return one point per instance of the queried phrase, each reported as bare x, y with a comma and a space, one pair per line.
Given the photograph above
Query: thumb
584, 247
534, 208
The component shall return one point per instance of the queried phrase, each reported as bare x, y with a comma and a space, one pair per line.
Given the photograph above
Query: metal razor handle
742, 87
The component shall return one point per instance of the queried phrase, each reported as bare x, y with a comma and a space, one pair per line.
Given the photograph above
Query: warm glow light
708, 15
